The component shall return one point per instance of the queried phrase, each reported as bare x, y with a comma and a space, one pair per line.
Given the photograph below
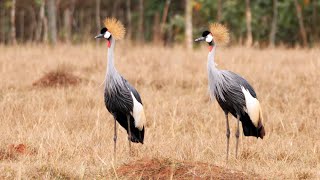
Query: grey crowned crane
121, 99
233, 93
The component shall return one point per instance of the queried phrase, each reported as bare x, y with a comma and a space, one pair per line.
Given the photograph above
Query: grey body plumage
121, 99
118, 98
225, 87
118, 90
233, 93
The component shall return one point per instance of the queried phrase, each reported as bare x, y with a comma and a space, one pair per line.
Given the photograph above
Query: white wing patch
252, 107
138, 114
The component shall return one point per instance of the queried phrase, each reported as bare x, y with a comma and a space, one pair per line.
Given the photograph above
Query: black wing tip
136, 140
137, 136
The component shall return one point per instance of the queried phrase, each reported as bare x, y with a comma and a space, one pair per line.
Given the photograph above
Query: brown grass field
66, 132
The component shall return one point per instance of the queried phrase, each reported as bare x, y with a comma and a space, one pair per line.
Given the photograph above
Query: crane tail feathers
138, 136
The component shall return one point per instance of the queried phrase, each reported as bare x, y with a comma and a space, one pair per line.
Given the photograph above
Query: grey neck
211, 61
214, 78
113, 78
110, 67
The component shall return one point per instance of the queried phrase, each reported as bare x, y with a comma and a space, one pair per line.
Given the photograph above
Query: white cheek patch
107, 35
138, 114
252, 107
209, 38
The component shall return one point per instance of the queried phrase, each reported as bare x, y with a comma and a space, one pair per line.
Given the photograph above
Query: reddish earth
168, 169
13, 151
57, 78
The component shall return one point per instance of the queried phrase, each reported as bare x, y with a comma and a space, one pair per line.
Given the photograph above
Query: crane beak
99, 36
200, 39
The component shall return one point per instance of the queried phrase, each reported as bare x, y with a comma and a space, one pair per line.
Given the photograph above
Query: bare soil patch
167, 169
57, 78
15, 150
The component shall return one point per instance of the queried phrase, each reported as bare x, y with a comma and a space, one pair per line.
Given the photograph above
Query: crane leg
228, 134
237, 135
115, 140
129, 134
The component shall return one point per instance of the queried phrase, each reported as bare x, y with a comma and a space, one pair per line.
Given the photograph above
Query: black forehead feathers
103, 30
205, 33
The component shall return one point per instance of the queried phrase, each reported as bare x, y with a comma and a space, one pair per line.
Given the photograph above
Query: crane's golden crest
220, 33
115, 27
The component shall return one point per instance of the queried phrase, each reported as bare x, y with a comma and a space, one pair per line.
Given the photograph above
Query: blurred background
258, 23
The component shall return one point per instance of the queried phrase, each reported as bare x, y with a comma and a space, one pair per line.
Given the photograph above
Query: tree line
258, 23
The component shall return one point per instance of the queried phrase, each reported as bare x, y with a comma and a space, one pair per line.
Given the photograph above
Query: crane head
206, 36
104, 33
218, 34
113, 29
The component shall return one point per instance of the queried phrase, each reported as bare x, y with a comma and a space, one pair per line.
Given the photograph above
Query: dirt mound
168, 169
57, 78
13, 151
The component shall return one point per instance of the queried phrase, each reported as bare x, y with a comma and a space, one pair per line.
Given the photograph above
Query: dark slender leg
228, 134
237, 135
129, 134
115, 140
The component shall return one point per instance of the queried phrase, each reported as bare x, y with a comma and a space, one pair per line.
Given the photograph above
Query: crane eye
209, 38
107, 34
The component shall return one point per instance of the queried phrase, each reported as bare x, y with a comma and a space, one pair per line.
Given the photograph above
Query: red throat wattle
108, 43
210, 48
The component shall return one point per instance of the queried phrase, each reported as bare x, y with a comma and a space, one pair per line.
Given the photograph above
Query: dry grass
71, 131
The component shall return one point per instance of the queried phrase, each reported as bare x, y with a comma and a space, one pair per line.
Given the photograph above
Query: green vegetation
77, 20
